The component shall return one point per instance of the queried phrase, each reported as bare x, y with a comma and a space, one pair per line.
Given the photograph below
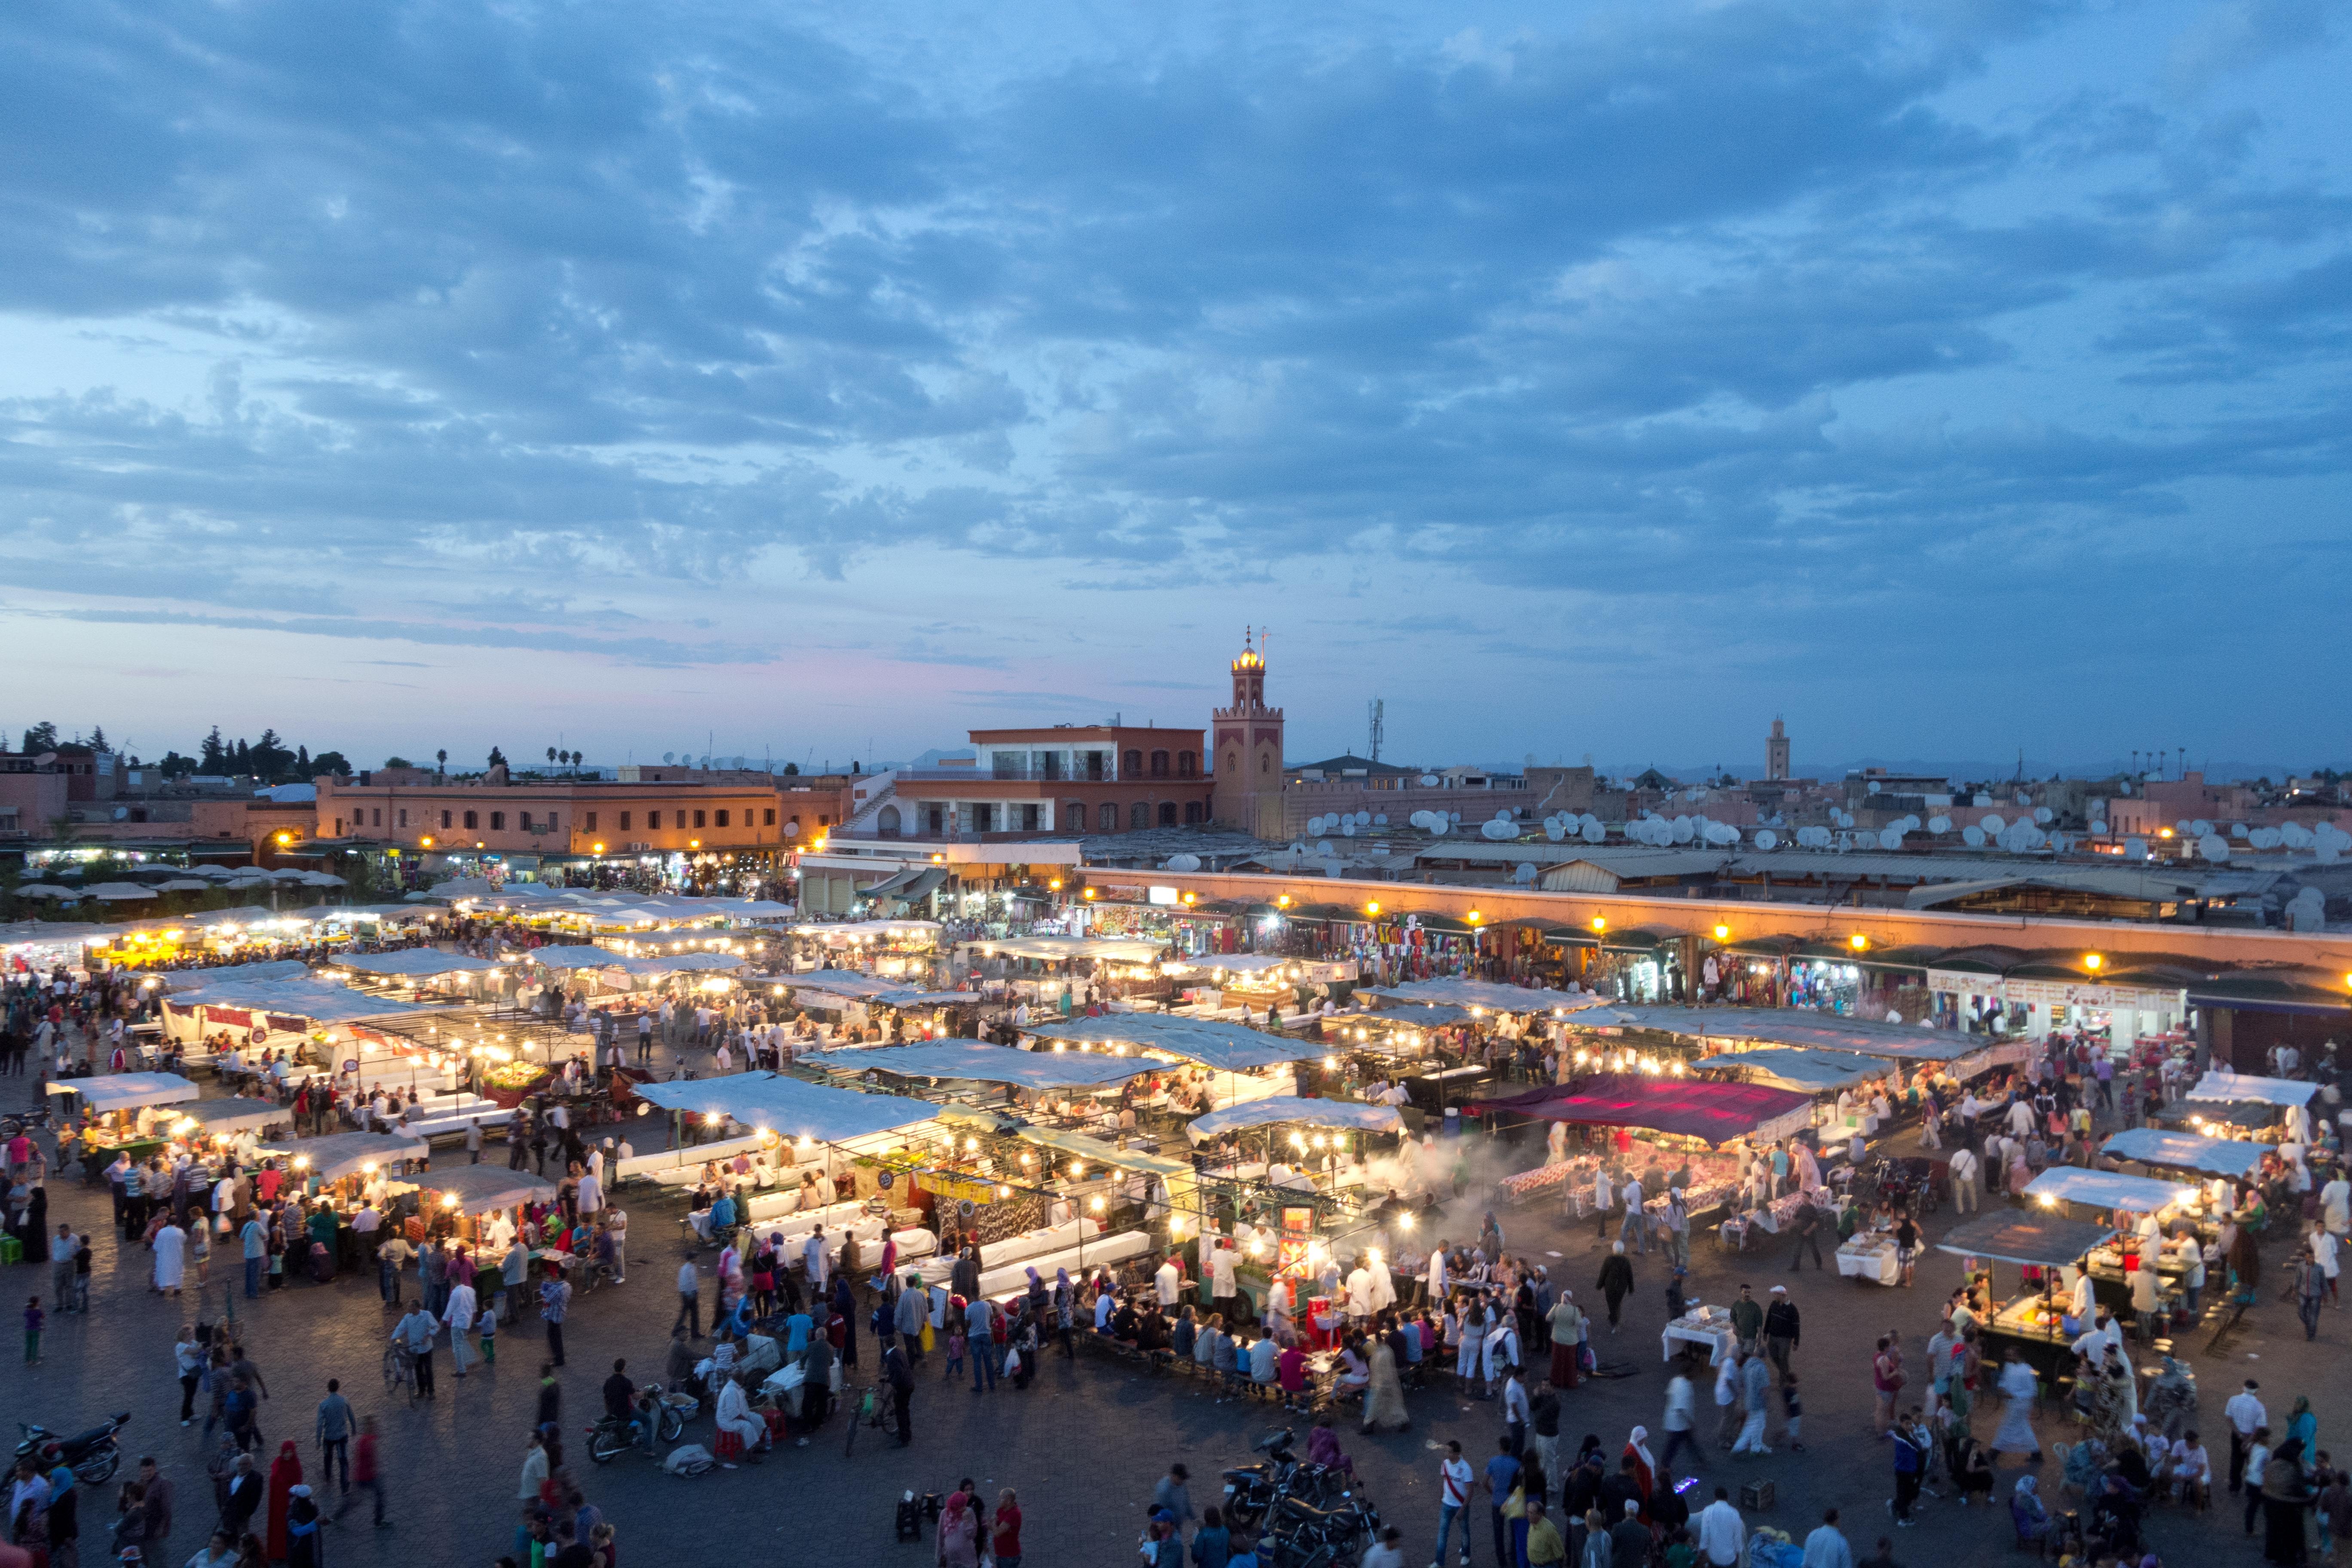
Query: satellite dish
669, 756
1890, 839
2264, 838
1593, 832
1502, 815
1314, 824
1323, 847
1939, 825
1766, 839
1429, 781
2044, 814
2135, 849
2237, 830
1525, 871
1973, 837
1873, 787
792, 828
2202, 829
1380, 820
2213, 846
2023, 798
1554, 831
1348, 828
1453, 816
1993, 825
2297, 835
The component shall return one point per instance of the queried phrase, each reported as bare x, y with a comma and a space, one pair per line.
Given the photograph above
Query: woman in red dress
285, 1475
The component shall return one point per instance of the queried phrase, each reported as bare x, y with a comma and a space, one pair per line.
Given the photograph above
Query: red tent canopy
1688, 1108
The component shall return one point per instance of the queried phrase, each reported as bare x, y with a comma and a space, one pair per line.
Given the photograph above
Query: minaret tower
1246, 744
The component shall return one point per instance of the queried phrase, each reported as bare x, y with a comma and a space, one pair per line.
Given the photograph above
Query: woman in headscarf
1384, 1408
846, 1305
285, 1475
2303, 1426
2286, 1494
304, 1547
1645, 1467
2027, 1511
1566, 1327
959, 1540
2171, 1400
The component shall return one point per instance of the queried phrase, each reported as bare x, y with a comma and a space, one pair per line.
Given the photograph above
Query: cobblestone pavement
1082, 1448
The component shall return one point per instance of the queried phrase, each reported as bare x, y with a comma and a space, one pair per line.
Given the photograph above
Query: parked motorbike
611, 1436
93, 1455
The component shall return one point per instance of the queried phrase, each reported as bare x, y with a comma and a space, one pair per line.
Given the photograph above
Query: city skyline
1946, 378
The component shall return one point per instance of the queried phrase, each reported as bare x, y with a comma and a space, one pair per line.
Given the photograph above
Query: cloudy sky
1948, 376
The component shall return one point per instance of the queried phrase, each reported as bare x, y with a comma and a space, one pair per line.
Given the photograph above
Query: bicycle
399, 1370
868, 1414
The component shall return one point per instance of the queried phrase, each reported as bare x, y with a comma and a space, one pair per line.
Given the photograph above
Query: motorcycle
1253, 1490
1306, 1536
93, 1457
611, 1436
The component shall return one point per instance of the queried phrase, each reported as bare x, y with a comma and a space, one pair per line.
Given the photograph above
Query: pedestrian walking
366, 1474
459, 1313
414, 1334
334, 1435
1616, 1280
1755, 1387
1808, 1228
1454, 1484
1783, 1328
555, 1302
1682, 1415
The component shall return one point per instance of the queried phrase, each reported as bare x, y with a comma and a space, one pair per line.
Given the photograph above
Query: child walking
33, 1321
489, 1327
957, 1341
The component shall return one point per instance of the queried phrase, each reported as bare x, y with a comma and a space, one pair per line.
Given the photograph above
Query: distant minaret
1247, 741
1775, 751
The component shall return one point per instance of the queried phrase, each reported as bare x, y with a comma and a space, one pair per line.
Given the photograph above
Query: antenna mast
1378, 710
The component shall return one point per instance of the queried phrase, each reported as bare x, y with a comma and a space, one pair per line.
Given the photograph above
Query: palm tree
442, 758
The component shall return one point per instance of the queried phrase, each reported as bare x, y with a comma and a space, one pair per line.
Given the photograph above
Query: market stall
2291, 1096
124, 1112
236, 1126
483, 1204
2184, 1152
2049, 1250
341, 1156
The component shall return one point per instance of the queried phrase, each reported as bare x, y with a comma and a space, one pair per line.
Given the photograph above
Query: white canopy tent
128, 1090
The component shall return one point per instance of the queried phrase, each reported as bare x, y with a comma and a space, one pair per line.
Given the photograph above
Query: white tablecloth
1713, 1333
1869, 1256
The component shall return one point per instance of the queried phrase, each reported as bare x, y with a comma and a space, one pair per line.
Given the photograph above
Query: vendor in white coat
1359, 1294
734, 1415
1222, 1285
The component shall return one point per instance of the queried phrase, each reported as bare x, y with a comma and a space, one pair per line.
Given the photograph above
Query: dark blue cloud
1766, 316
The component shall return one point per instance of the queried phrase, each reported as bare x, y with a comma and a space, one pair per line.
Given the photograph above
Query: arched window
1265, 762
1132, 764
1107, 817
887, 824
1187, 764
1139, 815
1232, 761
1192, 813
1167, 814
1160, 765
1072, 816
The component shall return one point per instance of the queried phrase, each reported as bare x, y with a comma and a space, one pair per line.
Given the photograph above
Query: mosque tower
1247, 741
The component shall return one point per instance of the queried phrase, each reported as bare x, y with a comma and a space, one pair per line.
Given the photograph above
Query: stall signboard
1168, 898
2055, 992
957, 1189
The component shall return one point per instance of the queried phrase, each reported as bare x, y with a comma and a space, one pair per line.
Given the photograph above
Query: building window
887, 824
721, 819
379, 817
768, 817
1095, 764
522, 820
985, 817
624, 822
1233, 762
1072, 817
1187, 764
1265, 762
1192, 813
339, 827
553, 822
497, 820
473, 820
653, 822
1167, 814
403, 816
1160, 765
592, 821
697, 819
823, 820
938, 821
1139, 815
1029, 818
1106, 818
445, 820
1133, 765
